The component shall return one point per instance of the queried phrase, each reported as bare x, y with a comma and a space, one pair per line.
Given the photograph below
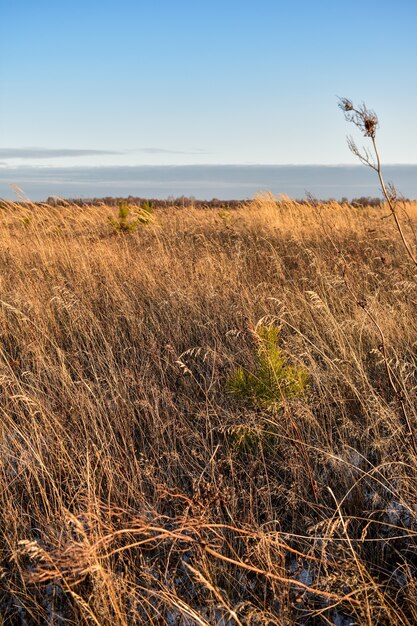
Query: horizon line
4, 165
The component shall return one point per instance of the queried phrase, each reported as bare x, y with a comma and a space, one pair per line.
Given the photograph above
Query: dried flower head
369, 121
365, 119
345, 104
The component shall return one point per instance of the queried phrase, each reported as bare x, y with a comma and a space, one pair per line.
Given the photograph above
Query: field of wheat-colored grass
136, 488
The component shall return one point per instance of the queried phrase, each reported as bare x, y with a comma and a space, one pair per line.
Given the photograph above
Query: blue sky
134, 82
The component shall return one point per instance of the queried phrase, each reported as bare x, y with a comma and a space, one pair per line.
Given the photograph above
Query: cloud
48, 153
164, 151
201, 181
52, 153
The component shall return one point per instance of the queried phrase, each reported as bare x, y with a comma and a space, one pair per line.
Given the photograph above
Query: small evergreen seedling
273, 380
126, 222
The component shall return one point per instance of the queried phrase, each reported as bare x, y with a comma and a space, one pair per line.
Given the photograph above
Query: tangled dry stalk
135, 489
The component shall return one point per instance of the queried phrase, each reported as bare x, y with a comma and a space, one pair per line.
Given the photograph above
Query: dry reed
135, 489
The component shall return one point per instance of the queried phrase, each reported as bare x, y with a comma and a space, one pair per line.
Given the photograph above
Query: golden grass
135, 489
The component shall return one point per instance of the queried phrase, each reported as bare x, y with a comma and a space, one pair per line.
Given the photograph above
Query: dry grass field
159, 462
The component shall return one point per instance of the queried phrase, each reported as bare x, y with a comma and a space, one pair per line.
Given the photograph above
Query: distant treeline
181, 201
188, 201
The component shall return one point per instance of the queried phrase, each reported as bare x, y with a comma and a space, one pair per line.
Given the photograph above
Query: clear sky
203, 81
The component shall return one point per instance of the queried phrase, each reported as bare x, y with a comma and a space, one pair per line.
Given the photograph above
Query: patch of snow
343, 620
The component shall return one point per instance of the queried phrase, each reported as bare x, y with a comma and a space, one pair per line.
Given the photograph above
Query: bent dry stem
367, 122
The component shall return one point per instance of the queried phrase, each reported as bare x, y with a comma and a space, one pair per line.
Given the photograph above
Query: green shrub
273, 380
227, 217
129, 218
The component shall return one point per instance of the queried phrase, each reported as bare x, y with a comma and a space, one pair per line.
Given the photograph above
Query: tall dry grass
135, 489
